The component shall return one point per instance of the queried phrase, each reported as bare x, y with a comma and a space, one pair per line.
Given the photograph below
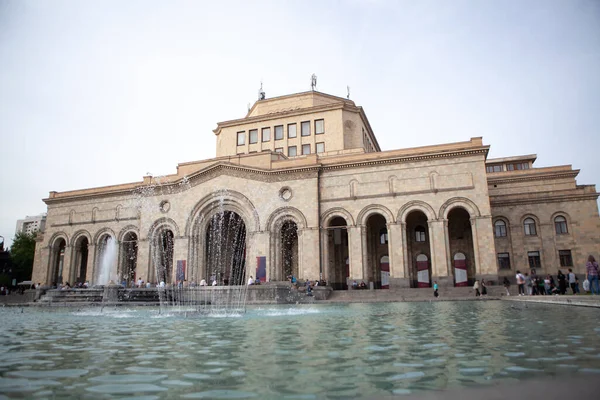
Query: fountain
108, 261
179, 291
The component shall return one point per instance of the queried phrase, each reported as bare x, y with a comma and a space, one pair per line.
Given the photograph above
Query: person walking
528, 284
520, 283
506, 284
476, 288
572, 281
562, 282
435, 289
592, 274
483, 288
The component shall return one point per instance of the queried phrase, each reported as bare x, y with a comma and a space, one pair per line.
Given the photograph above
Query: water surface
292, 352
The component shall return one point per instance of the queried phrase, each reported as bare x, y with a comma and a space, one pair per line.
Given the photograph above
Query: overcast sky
95, 93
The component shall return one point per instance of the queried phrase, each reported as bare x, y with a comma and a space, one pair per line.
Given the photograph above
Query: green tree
22, 252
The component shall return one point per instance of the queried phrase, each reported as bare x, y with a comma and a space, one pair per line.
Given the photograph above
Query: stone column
325, 253
485, 248
180, 252
66, 268
355, 244
396, 250
89, 271
257, 246
308, 253
143, 267
439, 260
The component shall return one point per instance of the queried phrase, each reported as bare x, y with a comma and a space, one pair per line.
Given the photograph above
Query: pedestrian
476, 288
562, 282
520, 283
506, 284
592, 274
483, 288
435, 289
572, 281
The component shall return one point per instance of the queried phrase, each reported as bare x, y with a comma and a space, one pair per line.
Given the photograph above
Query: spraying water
108, 262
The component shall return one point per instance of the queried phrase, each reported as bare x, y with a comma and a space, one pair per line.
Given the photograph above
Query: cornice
553, 199
288, 113
262, 174
533, 177
402, 159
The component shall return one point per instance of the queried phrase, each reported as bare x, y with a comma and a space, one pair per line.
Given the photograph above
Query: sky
94, 93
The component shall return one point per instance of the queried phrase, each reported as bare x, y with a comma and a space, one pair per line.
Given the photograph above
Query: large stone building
300, 186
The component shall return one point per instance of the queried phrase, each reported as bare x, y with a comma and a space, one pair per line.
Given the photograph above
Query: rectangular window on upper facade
306, 149
253, 135
321, 147
494, 168
305, 128
517, 166
279, 150
241, 138
292, 131
319, 127
565, 258
503, 260
279, 132
266, 134
534, 259
292, 151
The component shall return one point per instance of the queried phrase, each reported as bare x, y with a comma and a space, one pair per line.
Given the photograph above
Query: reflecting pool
292, 352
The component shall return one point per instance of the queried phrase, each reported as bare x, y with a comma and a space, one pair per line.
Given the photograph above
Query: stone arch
391, 183
94, 214
231, 200
71, 216
78, 234
56, 236
413, 206
101, 232
530, 215
286, 212
118, 209
463, 202
126, 230
162, 223
328, 215
560, 214
79, 256
371, 209
277, 220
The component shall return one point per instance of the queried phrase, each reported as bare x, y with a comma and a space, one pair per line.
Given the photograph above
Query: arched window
560, 225
529, 225
420, 234
383, 236
500, 228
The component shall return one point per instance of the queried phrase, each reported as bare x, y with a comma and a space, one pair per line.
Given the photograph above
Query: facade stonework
345, 211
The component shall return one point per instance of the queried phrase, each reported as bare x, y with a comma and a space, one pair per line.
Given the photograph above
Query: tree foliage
22, 253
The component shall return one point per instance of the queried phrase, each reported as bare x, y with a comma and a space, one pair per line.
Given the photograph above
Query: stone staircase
411, 294
55, 297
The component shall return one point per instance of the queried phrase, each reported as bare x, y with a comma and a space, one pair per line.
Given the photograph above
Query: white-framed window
292, 152
241, 138
292, 131
560, 225
321, 147
305, 128
500, 228
253, 136
279, 132
266, 134
529, 226
319, 127
306, 149
566, 260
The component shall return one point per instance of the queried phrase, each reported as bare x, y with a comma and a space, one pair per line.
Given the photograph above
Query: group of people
356, 285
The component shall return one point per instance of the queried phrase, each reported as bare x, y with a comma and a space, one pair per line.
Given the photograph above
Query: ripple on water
55, 373
590, 370
472, 371
516, 368
197, 376
125, 388
220, 394
175, 382
514, 354
128, 378
408, 375
148, 369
